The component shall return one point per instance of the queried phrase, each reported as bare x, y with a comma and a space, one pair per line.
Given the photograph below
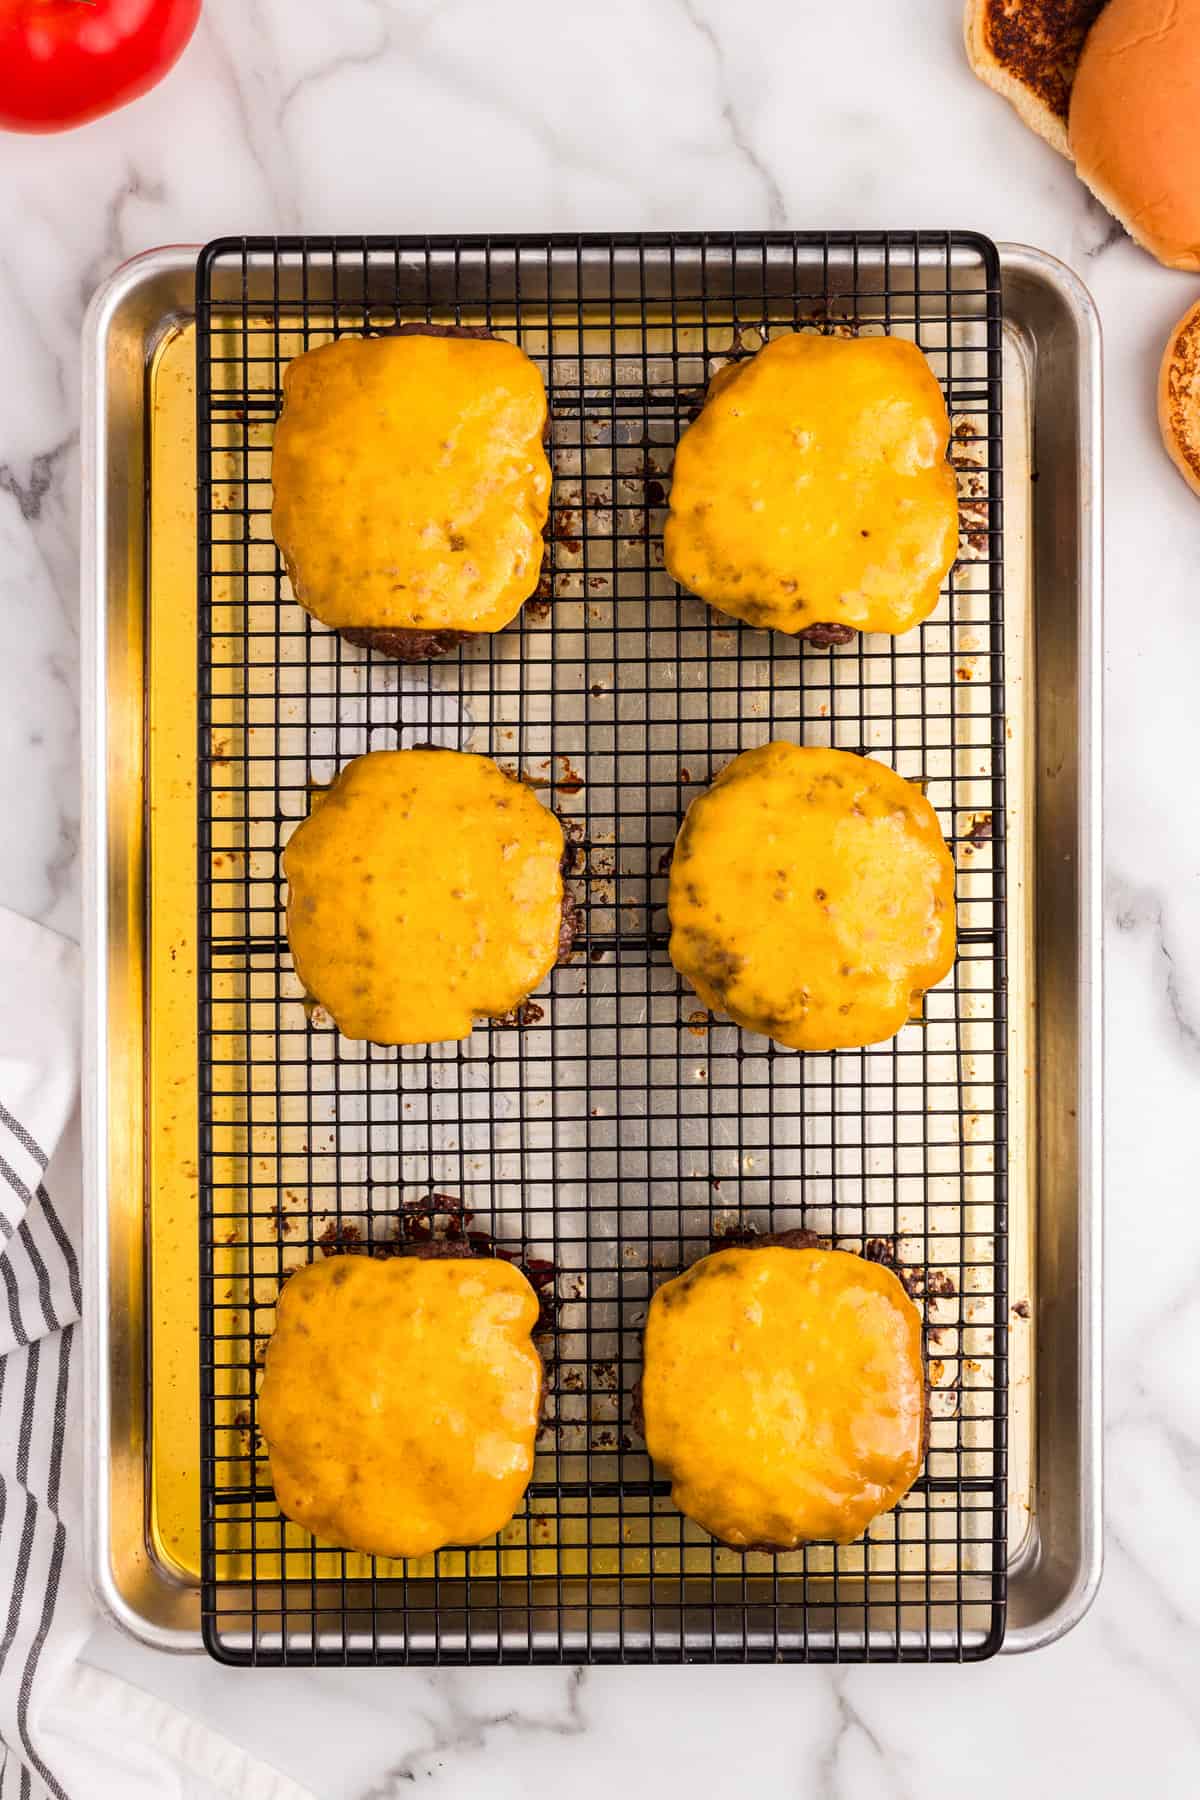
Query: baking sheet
172, 1505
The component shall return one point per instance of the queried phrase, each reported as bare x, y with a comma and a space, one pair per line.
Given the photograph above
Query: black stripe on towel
56, 1562
23, 1138
65, 1245
41, 1275
25, 1549
14, 1299
3, 1489
19, 1189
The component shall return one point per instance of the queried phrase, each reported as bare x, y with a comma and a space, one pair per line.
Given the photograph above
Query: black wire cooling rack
608, 1140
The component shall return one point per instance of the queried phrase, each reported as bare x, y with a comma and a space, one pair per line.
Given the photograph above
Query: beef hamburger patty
430, 1440
825, 635
416, 646
795, 1239
782, 1240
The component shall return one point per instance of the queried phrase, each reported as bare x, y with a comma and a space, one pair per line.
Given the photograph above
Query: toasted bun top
1135, 122
1027, 50
1179, 396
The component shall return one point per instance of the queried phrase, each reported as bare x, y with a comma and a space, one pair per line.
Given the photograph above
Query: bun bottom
1179, 397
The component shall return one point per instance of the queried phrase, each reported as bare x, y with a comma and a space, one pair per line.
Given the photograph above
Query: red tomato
63, 62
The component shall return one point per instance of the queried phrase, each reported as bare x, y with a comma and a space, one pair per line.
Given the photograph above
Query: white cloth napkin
66, 1729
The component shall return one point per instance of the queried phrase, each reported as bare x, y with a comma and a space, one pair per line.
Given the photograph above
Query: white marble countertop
434, 115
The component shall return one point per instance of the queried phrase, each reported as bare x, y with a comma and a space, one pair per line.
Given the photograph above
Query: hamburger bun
1179, 397
1026, 50
1134, 124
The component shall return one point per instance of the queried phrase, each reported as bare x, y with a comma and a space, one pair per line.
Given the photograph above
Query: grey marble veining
408, 115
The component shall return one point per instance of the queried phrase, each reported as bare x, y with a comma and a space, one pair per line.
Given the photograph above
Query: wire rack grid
618, 1131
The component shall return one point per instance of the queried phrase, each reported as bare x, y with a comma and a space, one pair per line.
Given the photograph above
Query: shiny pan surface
140, 1105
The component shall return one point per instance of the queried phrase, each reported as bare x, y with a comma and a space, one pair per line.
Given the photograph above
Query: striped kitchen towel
66, 1730
40, 1302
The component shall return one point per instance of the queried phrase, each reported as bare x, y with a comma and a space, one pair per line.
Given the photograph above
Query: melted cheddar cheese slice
811, 897
411, 485
400, 1400
814, 487
783, 1393
424, 891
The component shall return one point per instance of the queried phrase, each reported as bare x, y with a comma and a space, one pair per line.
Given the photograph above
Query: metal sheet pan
138, 597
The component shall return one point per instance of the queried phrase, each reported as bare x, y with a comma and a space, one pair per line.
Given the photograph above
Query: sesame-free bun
1179, 397
1027, 51
1134, 123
